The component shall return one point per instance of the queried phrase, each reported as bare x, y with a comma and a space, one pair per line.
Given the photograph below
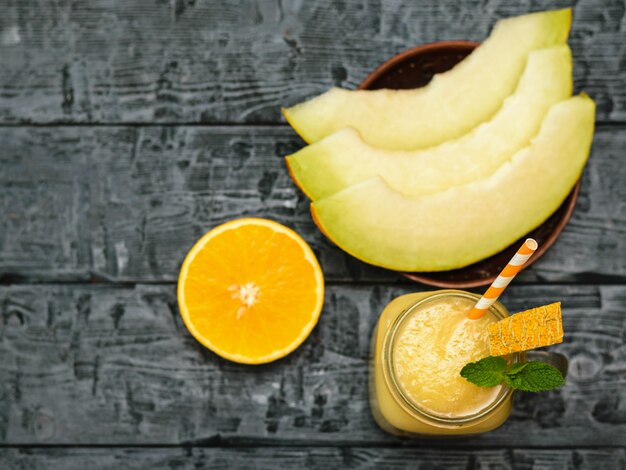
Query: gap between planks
8, 281
269, 125
425, 443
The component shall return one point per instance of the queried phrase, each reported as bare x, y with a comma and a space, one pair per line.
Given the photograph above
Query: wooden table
129, 128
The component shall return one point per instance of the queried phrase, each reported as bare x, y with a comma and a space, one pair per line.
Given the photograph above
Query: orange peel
251, 290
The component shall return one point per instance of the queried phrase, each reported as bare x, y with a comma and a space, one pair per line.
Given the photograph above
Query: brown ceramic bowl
415, 68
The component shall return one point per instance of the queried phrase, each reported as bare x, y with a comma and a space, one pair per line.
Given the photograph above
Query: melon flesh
451, 105
343, 158
462, 225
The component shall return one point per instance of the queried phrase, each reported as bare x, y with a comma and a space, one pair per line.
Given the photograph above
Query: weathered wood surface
127, 203
237, 61
115, 365
120, 203
312, 458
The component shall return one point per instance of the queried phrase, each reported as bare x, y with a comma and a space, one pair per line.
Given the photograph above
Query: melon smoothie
420, 345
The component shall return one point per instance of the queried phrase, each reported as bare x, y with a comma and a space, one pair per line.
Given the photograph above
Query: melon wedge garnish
457, 227
530, 329
451, 105
343, 158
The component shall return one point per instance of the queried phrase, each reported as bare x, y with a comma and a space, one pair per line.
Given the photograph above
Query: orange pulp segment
534, 328
251, 290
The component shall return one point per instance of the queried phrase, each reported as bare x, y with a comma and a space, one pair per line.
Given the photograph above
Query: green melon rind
343, 158
454, 228
451, 105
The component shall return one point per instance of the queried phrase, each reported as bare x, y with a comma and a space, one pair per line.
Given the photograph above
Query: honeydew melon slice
454, 228
343, 158
451, 105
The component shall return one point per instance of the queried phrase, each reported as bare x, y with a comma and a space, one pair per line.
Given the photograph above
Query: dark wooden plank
310, 458
153, 202
44, 202
525, 459
113, 365
127, 203
238, 61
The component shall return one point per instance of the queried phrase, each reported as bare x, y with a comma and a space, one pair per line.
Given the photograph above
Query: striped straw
506, 276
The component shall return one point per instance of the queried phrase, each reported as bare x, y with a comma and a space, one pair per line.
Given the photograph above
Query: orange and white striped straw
506, 276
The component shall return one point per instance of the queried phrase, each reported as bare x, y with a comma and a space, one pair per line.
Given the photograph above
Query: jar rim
410, 405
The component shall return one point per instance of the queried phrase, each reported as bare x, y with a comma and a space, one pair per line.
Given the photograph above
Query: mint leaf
536, 376
533, 376
487, 372
515, 368
511, 377
513, 381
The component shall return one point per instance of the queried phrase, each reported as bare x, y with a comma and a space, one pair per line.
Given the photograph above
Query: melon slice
451, 105
343, 158
454, 228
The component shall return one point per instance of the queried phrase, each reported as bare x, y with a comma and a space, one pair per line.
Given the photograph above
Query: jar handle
552, 358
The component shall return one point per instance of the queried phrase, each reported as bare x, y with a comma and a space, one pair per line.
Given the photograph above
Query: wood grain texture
112, 365
312, 458
238, 61
127, 203
44, 201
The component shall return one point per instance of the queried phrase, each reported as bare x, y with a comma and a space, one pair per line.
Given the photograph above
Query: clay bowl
415, 68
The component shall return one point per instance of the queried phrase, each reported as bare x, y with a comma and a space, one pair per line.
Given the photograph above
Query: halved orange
251, 290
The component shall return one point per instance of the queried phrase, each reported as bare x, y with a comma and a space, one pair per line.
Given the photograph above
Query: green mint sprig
531, 376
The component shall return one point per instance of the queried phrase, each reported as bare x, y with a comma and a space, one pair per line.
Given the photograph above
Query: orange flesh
251, 293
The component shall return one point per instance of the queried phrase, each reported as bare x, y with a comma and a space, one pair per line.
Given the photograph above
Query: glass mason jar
396, 409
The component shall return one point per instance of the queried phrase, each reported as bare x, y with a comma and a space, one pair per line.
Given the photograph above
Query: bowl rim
569, 202
410, 53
